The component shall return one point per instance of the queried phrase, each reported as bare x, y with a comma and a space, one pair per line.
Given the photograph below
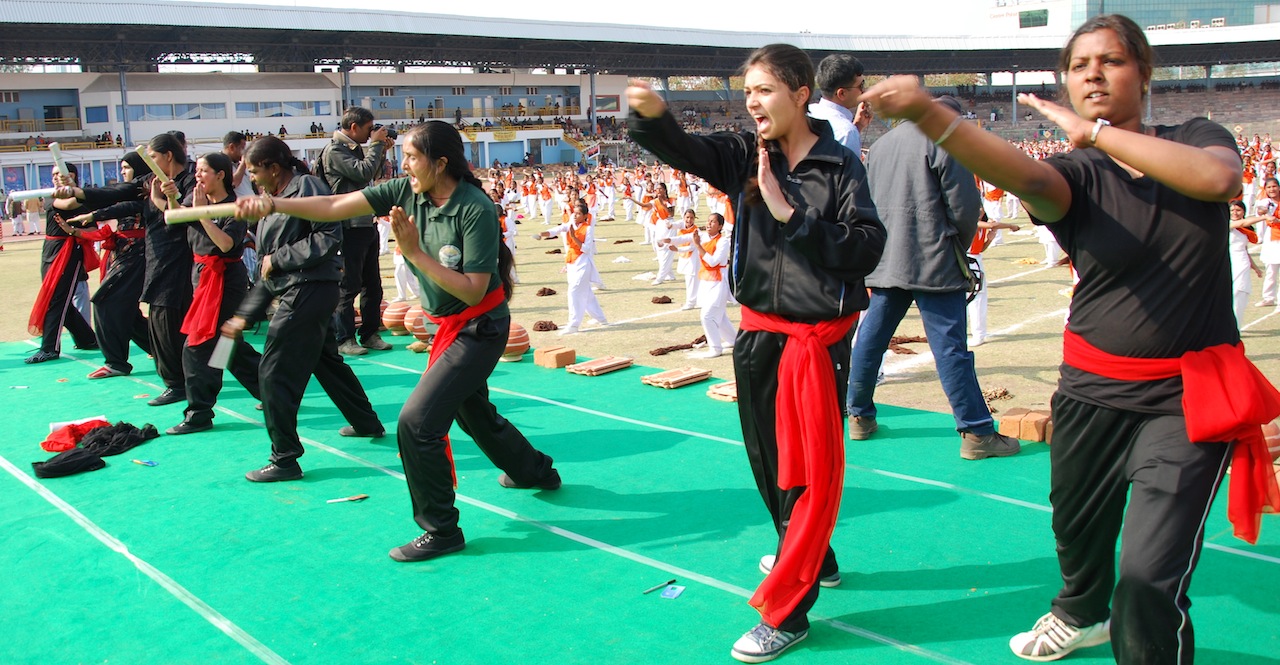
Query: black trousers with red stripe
756, 355
60, 313
1101, 460
456, 387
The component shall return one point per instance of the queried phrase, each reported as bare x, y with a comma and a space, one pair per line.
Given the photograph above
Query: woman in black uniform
220, 283
1150, 330
301, 267
62, 261
447, 229
117, 318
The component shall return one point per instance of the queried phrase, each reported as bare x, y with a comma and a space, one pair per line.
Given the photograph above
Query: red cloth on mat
66, 438
450, 326
810, 436
1224, 398
201, 322
35, 323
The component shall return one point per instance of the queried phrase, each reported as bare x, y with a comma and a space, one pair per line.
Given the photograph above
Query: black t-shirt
1155, 275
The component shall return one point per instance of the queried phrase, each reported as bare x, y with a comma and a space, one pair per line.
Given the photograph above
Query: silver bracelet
946, 134
1097, 127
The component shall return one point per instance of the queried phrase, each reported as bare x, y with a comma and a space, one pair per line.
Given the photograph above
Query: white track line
1264, 318
207, 612
1022, 274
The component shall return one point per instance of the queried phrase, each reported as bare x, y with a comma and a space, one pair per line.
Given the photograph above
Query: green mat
943, 560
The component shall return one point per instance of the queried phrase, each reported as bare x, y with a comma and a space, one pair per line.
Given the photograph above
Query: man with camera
347, 167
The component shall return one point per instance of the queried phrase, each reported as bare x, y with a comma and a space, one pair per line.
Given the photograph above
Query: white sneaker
830, 581
977, 340
568, 330
688, 306
1052, 638
657, 282
706, 355
764, 643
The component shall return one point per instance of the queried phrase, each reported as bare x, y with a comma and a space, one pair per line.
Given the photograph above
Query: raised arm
332, 208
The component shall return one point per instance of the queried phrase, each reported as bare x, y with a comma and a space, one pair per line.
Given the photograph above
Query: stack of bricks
1027, 425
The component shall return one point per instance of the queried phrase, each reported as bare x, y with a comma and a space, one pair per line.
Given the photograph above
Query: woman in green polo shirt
448, 231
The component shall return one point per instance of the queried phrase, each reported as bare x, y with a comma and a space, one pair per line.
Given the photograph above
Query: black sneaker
41, 356
169, 396
186, 427
272, 473
551, 482
348, 430
375, 342
429, 546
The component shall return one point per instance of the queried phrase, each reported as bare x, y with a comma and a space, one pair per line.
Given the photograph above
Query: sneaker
828, 581
42, 356
688, 306
105, 372
169, 396
764, 643
551, 482
567, 330
707, 355
375, 342
1052, 638
186, 427
351, 348
1267, 303
272, 473
429, 546
862, 427
994, 444
656, 282
977, 340
348, 430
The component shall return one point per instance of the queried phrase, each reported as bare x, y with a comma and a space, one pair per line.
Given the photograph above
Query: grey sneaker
862, 427
764, 643
375, 342
351, 348
828, 581
995, 444
1052, 638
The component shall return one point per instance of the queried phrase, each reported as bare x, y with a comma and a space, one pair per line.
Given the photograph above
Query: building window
9, 97
504, 90
386, 92
459, 91
530, 91
1036, 18
95, 114
551, 142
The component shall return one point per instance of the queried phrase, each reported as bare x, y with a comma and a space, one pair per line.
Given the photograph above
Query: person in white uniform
580, 249
682, 243
1242, 263
711, 256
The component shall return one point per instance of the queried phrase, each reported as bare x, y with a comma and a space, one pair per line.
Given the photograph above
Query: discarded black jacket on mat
67, 463
98, 443
117, 438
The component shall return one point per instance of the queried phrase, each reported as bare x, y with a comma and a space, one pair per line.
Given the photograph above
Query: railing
452, 113
32, 125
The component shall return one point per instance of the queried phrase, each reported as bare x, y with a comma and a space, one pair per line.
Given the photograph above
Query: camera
391, 133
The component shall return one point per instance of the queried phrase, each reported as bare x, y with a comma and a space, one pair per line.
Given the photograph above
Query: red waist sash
810, 455
109, 239
1224, 398
35, 322
449, 327
201, 322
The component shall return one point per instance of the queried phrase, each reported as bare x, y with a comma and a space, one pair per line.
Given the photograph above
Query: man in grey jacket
929, 205
346, 167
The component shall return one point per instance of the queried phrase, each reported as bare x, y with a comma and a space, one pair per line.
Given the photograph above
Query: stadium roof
103, 35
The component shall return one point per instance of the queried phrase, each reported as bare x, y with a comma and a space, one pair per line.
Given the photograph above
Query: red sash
1224, 398
810, 454
35, 322
449, 327
201, 322
109, 238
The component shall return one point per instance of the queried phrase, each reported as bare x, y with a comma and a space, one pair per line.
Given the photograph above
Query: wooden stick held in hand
155, 168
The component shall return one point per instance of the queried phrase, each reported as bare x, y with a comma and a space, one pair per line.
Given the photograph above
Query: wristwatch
1097, 127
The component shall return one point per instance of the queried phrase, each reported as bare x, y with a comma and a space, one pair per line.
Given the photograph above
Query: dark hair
1264, 180
1135, 42
178, 134
838, 70
232, 137
786, 62
161, 143
220, 162
581, 206
135, 161
436, 139
269, 150
715, 216
356, 115
1237, 203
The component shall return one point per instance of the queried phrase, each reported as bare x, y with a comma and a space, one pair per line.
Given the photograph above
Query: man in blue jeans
929, 205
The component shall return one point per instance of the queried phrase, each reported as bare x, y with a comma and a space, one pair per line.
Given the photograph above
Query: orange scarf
1224, 398
708, 273
449, 327
810, 455
578, 234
